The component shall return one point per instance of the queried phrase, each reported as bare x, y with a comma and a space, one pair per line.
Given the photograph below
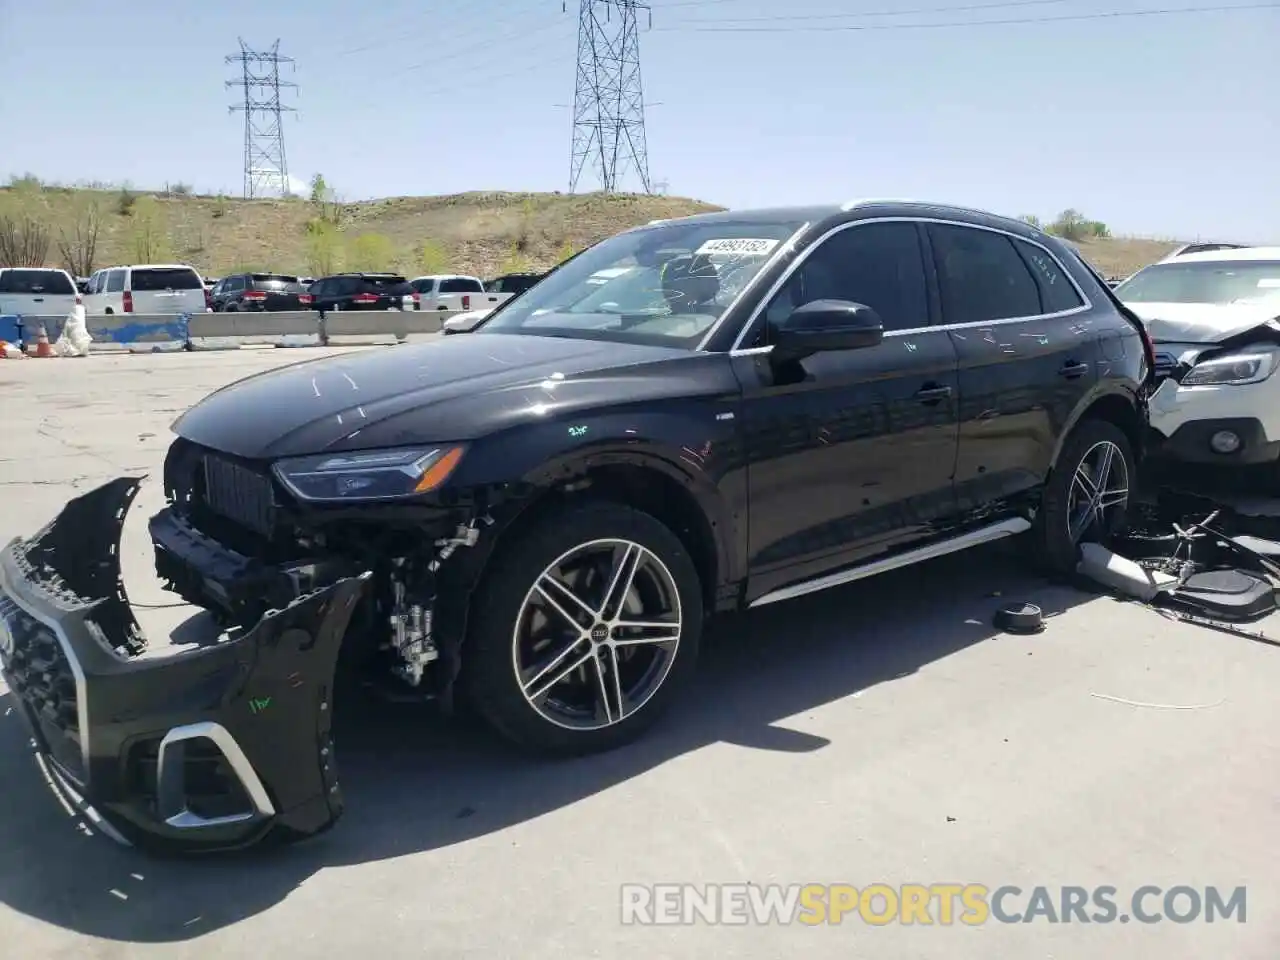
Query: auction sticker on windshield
738, 245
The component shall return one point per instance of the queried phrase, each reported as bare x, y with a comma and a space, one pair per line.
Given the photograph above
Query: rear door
166, 290
1026, 358
35, 291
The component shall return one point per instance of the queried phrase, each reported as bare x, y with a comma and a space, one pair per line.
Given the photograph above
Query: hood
1201, 322
453, 388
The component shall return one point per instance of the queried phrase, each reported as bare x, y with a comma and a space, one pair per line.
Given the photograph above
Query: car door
849, 454
1026, 356
233, 292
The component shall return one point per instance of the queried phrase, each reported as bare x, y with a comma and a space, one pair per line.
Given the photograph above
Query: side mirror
825, 325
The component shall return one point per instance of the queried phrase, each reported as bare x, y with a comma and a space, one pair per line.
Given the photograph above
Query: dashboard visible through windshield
665, 285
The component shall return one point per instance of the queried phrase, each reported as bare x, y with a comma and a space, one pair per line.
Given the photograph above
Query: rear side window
165, 278
1057, 294
423, 286
37, 282
982, 276
461, 285
115, 281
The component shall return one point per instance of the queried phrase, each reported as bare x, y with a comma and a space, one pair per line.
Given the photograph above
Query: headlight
1232, 368
368, 474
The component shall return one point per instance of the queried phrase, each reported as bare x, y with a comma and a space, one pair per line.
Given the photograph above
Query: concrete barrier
249, 325
397, 324
148, 333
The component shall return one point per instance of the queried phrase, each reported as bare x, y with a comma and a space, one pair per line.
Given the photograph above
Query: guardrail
146, 333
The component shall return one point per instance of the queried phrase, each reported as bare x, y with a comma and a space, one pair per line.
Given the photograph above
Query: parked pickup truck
449, 292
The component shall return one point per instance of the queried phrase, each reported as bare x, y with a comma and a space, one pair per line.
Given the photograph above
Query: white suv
1213, 318
147, 289
37, 291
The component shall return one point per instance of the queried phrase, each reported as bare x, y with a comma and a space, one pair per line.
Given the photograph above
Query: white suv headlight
1252, 366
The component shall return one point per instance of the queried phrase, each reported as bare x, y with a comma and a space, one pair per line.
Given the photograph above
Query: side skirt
996, 531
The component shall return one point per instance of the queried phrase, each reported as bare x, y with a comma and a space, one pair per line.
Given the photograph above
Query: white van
163, 288
37, 291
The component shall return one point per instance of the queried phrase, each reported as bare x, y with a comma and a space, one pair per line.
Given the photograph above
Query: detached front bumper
216, 748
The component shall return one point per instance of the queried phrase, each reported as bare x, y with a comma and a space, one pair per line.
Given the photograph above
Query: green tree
319, 189
149, 232
433, 257
324, 248
371, 251
1070, 224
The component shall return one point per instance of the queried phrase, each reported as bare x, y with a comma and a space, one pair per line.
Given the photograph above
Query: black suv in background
259, 291
363, 291
541, 514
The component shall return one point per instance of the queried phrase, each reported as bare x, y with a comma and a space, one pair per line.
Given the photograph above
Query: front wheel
584, 629
1087, 496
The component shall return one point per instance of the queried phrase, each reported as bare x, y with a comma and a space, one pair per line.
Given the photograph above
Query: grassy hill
474, 233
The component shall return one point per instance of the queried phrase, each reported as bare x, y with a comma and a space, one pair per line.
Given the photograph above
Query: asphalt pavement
879, 733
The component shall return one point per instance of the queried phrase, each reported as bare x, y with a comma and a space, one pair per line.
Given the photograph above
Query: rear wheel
584, 630
1086, 499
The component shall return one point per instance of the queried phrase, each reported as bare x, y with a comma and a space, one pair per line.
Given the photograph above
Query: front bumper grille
239, 493
1165, 365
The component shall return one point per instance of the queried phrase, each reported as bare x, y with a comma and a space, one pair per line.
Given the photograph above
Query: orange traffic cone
42, 346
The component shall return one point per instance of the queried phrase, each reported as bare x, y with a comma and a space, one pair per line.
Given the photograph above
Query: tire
1052, 535
508, 612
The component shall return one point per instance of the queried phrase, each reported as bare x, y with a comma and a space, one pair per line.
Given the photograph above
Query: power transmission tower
608, 99
265, 168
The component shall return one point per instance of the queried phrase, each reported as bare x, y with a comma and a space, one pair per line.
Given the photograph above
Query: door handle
932, 393
1072, 370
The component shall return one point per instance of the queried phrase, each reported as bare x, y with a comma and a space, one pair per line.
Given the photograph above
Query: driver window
876, 264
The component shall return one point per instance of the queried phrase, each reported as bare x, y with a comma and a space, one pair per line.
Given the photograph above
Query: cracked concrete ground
878, 733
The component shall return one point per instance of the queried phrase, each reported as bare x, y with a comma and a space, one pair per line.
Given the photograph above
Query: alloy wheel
1099, 491
597, 634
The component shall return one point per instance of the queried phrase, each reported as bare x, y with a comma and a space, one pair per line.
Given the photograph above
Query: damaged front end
1212, 404
213, 748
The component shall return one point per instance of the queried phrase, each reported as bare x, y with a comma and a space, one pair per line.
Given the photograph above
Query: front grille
239, 494
41, 676
1165, 364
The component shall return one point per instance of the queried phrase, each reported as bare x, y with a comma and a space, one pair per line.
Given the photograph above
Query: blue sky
1158, 125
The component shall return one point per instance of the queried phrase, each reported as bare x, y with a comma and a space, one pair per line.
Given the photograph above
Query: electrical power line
1075, 17
265, 167
608, 100
490, 49
910, 11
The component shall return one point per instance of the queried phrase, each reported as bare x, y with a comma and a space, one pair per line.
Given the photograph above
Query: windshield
1216, 281
664, 285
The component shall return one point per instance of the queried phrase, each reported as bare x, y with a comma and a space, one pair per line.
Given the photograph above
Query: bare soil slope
475, 233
